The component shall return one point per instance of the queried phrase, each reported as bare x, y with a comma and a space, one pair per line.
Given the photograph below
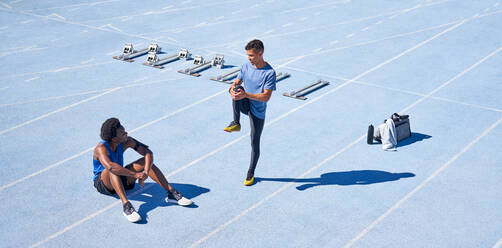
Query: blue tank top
117, 157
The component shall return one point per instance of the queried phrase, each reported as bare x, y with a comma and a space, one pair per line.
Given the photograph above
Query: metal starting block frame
201, 64
154, 61
226, 78
300, 94
129, 53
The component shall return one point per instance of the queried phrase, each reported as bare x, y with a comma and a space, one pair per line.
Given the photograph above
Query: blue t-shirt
255, 81
117, 157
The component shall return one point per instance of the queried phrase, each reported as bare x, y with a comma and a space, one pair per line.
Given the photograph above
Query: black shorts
101, 188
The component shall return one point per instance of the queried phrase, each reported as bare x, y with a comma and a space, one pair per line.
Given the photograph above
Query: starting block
226, 78
300, 94
129, 53
201, 64
154, 61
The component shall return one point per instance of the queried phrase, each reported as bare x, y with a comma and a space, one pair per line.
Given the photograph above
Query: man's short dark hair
109, 129
256, 45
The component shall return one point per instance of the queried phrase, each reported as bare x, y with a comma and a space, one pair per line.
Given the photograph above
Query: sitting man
110, 175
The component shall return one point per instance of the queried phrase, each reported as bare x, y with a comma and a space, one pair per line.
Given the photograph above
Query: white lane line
365, 29
76, 5
378, 22
349, 35
140, 79
496, 4
53, 98
269, 31
125, 18
110, 26
410, 9
87, 61
498, 244
219, 18
23, 50
57, 39
486, 10
27, 21
57, 70
317, 50
414, 191
287, 25
31, 79
4, 88
4, 27
15, 1
56, 17
303, 19
236, 12
393, 16
333, 42
311, 7
5, 5
168, 7
55, 111
410, 194
237, 217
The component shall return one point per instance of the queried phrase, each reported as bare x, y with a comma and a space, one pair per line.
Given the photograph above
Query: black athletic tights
256, 129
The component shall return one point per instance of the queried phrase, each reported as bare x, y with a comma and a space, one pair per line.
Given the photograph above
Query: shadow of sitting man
359, 177
154, 196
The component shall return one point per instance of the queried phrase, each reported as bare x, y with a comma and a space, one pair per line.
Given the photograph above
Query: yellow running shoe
249, 182
232, 127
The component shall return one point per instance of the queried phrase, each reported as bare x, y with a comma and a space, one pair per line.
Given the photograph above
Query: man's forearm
262, 97
121, 171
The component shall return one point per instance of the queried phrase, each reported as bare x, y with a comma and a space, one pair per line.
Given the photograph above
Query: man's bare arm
102, 155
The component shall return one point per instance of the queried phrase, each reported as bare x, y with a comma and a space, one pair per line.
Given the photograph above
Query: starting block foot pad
195, 74
300, 94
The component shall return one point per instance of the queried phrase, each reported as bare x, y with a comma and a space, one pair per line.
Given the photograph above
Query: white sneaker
130, 213
176, 197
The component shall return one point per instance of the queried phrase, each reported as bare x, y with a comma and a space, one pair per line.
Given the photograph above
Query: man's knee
137, 166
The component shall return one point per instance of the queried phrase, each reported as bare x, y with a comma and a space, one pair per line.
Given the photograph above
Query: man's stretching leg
256, 129
240, 106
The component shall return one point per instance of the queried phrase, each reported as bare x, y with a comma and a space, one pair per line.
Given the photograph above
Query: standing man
259, 82
110, 175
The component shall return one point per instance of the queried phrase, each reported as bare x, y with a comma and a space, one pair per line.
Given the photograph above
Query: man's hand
142, 178
241, 94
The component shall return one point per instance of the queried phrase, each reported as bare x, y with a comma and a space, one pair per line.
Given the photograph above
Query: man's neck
260, 64
113, 145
